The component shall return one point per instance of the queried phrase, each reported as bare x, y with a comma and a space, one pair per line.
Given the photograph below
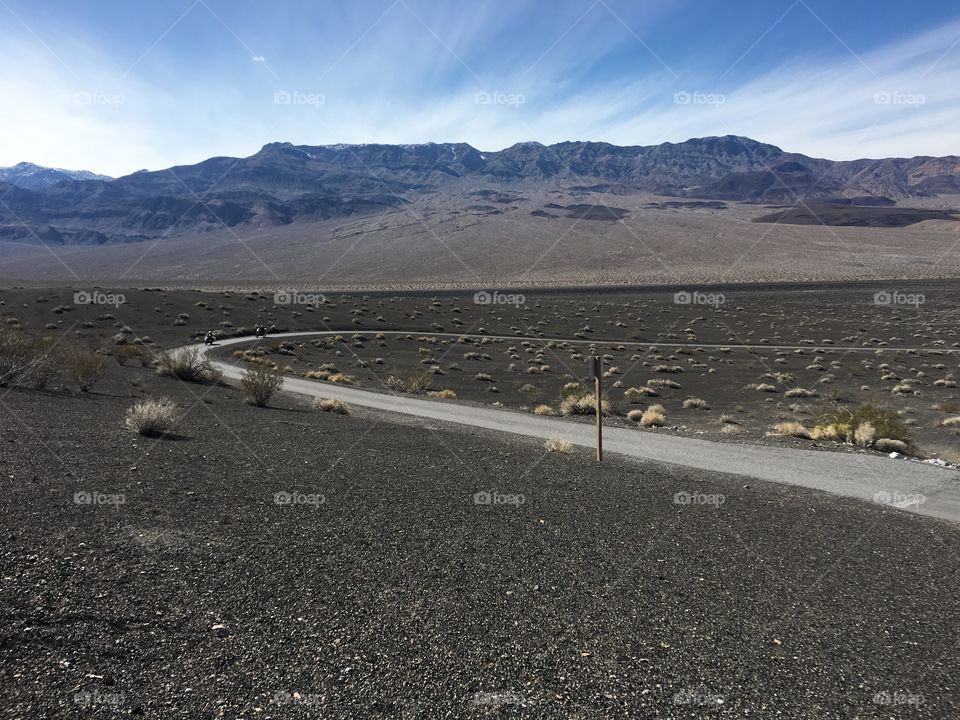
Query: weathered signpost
596, 367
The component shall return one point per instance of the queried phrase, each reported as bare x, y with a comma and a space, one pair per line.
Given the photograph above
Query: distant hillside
36, 177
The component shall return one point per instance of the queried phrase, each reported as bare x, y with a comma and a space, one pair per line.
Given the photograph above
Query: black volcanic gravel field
385, 591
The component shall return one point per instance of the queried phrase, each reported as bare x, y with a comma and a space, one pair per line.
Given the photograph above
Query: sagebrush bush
259, 384
654, 416
544, 410
585, 404
635, 394
15, 354
189, 365
82, 366
151, 417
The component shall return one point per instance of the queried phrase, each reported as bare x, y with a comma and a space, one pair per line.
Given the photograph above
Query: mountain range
285, 184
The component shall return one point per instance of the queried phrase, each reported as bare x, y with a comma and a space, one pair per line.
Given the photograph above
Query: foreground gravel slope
399, 596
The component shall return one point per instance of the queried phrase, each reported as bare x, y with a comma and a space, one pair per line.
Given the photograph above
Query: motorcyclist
208, 338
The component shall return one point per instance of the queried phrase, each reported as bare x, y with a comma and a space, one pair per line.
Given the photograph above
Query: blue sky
118, 86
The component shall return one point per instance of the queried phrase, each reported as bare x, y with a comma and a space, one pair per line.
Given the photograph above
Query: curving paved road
866, 477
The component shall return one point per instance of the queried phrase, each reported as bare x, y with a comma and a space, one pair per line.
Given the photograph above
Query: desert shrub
663, 383
189, 365
668, 369
763, 387
729, 420
342, 379
483, 377
15, 354
891, 445
842, 424
829, 432
635, 415
792, 429
123, 353
445, 394
317, 374
584, 405
801, 393
558, 445
82, 366
695, 403
331, 405
571, 388
259, 384
864, 434
634, 394
654, 416
151, 417
543, 410
951, 421
39, 368
409, 383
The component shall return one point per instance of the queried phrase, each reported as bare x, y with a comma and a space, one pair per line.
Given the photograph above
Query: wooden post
596, 366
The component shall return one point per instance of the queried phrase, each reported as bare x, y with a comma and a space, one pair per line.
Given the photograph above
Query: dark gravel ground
399, 597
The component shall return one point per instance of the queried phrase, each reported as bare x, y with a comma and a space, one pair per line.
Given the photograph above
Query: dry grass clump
861, 425
951, 421
188, 365
445, 394
865, 434
342, 379
663, 383
558, 445
483, 377
544, 410
584, 405
695, 403
792, 429
762, 387
729, 420
730, 429
151, 418
409, 383
668, 369
331, 405
801, 393
317, 374
571, 388
654, 416
634, 394
259, 384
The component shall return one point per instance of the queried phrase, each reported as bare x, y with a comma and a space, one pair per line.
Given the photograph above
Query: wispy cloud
403, 75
